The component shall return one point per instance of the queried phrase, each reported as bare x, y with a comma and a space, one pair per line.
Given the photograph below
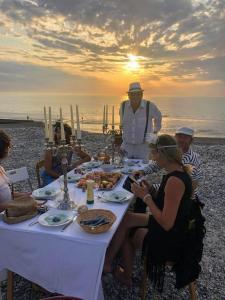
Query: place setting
47, 192
118, 197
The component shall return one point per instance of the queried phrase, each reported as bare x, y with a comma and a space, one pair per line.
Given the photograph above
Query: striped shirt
189, 158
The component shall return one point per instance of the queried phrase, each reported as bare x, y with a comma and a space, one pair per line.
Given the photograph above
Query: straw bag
21, 209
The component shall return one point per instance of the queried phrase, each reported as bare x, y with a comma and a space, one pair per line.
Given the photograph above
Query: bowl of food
96, 220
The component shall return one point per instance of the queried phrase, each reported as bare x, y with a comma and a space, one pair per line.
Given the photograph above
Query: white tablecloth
68, 262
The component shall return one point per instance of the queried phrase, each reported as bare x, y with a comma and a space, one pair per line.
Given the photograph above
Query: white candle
121, 117
46, 123
113, 116
62, 126
106, 116
50, 124
72, 121
78, 124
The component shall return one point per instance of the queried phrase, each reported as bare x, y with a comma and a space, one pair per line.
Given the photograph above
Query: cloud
176, 39
27, 77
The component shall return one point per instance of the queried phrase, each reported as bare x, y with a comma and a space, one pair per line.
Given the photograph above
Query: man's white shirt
134, 123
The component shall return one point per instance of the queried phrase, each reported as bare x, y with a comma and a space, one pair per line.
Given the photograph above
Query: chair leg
10, 286
192, 290
144, 282
0, 290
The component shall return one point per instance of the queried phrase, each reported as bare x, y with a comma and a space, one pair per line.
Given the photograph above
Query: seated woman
53, 168
164, 234
5, 191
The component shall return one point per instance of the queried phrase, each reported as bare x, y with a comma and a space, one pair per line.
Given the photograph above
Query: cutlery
98, 225
33, 223
68, 224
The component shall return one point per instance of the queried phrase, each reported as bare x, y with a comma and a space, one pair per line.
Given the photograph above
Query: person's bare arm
48, 165
84, 157
174, 191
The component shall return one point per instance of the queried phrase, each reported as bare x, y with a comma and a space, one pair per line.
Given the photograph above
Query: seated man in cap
184, 138
139, 117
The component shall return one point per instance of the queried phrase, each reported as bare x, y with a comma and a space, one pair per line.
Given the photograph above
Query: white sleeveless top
5, 192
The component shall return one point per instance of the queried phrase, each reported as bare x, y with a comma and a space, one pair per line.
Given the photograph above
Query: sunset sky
174, 47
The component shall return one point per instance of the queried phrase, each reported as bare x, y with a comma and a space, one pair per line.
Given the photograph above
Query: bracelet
148, 195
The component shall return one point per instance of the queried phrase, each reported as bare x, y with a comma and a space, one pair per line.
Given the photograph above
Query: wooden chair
17, 175
144, 282
38, 167
10, 285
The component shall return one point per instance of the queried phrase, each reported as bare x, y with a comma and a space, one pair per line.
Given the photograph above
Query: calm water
205, 115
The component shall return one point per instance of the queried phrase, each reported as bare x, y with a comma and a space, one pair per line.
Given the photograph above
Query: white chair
18, 175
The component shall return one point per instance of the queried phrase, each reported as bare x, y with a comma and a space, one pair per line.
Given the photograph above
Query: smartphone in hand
128, 182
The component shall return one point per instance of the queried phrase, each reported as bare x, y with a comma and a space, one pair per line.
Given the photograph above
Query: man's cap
185, 130
135, 87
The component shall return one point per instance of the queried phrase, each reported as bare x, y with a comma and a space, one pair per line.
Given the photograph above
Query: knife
68, 224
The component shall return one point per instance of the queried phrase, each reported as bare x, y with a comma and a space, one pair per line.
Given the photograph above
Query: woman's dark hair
67, 128
5, 143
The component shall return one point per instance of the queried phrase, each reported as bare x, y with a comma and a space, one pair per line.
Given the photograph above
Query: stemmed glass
124, 156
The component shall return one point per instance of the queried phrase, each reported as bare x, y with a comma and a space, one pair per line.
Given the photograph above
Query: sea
206, 115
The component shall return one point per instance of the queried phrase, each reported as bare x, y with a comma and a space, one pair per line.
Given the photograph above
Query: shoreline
9, 123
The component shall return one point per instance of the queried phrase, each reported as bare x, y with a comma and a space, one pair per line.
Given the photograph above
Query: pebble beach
28, 146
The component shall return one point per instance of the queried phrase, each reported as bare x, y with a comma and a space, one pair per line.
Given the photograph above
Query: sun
132, 64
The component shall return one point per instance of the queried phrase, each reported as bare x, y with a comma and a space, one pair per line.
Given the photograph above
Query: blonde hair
166, 145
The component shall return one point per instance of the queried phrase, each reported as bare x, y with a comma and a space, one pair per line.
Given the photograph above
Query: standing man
139, 118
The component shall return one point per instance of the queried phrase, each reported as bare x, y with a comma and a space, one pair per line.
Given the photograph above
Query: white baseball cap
185, 130
135, 87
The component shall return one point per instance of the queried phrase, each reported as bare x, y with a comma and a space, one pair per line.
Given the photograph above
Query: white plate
116, 196
127, 170
72, 178
92, 164
46, 193
55, 218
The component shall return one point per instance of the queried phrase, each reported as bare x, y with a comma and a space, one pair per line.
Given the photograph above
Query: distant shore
10, 123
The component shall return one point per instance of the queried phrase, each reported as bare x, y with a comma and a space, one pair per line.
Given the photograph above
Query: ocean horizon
206, 115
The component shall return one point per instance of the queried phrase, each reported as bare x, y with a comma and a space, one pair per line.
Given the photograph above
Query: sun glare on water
133, 64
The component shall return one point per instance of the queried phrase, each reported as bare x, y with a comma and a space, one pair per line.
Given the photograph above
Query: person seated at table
53, 167
163, 235
5, 191
184, 137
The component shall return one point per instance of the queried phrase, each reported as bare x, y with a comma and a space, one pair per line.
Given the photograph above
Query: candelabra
115, 136
63, 149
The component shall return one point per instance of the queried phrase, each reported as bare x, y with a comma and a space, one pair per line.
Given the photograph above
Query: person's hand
140, 190
147, 183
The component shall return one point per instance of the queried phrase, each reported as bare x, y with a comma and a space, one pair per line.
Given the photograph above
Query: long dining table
68, 262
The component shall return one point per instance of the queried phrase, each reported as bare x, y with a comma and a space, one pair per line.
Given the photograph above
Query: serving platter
103, 180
